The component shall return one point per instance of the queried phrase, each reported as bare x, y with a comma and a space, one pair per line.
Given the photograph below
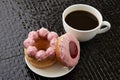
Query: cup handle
106, 28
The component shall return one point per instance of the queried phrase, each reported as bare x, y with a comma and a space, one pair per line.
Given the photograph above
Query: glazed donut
40, 47
67, 50
40, 64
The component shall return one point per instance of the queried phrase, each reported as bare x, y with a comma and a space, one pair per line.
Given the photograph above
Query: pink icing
40, 54
53, 42
33, 35
52, 35
51, 51
28, 42
31, 50
65, 53
43, 32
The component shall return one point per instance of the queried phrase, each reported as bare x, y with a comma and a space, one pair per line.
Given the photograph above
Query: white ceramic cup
85, 35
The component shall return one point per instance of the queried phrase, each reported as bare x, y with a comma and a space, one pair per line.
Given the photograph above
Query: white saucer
56, 70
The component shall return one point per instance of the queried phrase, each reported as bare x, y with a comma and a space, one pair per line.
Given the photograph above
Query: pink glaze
33, 35
67, 58
43, 32
40, 54
51, 51
31, 50
52, 35
53, 42
28, 42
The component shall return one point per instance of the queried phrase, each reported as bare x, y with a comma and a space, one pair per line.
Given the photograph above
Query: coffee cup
72, 25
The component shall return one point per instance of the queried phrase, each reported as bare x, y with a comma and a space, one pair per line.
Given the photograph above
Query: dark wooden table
100, 57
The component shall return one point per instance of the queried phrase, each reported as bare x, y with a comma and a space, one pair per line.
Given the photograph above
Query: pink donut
68, 50
40, 44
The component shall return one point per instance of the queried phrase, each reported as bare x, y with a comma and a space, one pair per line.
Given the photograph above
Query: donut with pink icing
40, 44
68, 50
42, 47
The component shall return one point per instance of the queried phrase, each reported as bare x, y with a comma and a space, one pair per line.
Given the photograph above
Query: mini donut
68, 50
40, 47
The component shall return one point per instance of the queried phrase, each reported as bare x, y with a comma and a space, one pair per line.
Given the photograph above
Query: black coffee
81, 20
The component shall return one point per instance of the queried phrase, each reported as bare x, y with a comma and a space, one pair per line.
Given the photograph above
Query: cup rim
100, 22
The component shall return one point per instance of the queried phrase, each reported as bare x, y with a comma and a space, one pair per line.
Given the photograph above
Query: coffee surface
81, 20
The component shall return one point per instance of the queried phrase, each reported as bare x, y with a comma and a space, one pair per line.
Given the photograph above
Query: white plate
56, 70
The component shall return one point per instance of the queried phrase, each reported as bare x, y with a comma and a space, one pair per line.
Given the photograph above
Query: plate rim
29, 65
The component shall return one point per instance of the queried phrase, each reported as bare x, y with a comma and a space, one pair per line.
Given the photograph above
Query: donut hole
73, 49
42, 43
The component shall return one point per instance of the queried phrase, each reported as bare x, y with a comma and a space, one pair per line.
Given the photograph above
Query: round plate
56, 70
